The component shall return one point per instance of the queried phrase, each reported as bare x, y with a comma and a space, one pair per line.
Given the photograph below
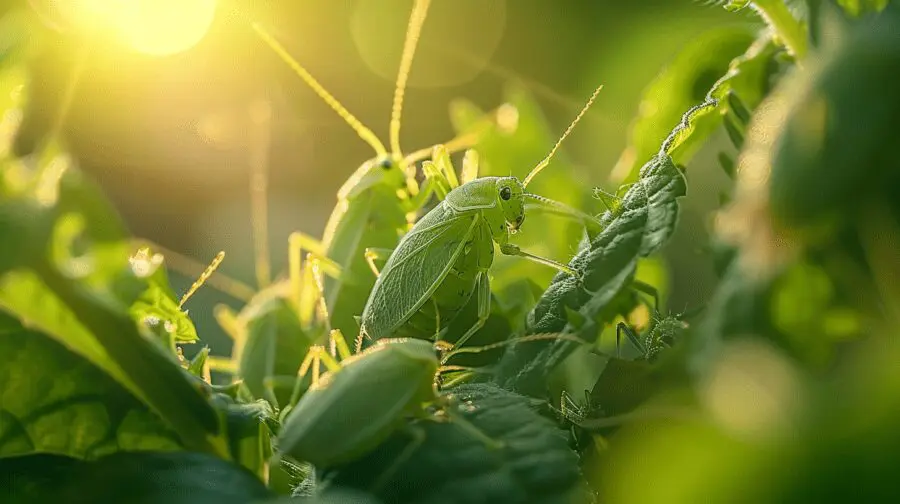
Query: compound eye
505, 193
386, 163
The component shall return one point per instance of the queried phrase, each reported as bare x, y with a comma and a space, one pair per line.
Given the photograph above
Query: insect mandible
446, 256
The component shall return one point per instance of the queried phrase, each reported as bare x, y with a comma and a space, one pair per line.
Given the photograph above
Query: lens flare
155, 27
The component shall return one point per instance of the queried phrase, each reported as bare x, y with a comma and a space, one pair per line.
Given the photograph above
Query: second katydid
445, 258
374, 206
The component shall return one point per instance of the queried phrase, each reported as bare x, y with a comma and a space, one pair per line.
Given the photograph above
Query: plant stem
791, 31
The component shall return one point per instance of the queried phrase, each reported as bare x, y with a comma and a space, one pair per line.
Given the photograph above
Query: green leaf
623, 385
747, 78
198, 365
35, 478
858, 8
638, 227
54, 401
157, 377
72, 281
334, 496
736, 5
274, 345
496, 328
250, 427
683, 83
822, 162
452, 466
135, 478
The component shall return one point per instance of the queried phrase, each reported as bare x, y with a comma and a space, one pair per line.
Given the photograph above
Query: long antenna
203, 276
186, 266
365, 133
413, 30
261, 116
65, 104
540, 166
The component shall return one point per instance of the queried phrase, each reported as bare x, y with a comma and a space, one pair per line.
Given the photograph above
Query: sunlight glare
156, 27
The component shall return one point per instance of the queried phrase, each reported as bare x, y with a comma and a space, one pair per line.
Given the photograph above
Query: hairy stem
791, 31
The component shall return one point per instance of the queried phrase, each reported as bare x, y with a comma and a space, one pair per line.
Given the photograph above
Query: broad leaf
135, 478
638, 226
682, 84
271, 345
250, 427
535, 465
53, 401
68, 274
749, 78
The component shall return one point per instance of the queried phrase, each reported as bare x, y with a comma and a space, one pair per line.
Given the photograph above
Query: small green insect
376, 204
346, 413
572, 416
663, 333
446, 256
156, 307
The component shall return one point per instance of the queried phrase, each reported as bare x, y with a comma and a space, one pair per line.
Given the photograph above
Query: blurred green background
170, 141
772, 397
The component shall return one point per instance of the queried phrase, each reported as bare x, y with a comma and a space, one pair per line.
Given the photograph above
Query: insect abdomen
347, 414
455, 290
373, 220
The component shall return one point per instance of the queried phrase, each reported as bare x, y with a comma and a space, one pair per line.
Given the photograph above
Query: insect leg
441, 159
312, 362
469, 167
417, 435
222, 364
547, 205
513, 341
435, 179
510, 249
440, 178
377, 254
336, 337
437, 320
649, 290
228, 321
483, 291
298, 242
301, 281
469, 138
630, 334
318, 283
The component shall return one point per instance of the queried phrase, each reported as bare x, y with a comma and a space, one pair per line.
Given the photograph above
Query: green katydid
276, 327
662, 333
445, 258
345, 413
375, 205
156, 307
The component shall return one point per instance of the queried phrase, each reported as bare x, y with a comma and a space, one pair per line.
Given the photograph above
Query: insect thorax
481, 195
